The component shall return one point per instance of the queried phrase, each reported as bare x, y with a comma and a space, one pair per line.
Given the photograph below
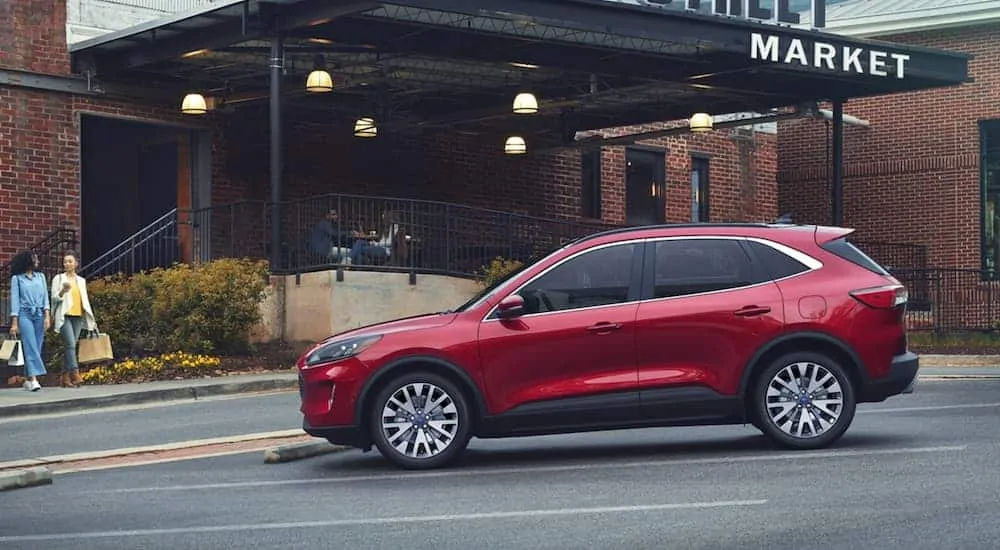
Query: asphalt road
916, 472
179, 421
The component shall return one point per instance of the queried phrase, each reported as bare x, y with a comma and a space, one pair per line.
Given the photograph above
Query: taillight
882, 297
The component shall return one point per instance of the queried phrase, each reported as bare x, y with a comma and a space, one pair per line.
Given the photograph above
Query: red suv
784, 326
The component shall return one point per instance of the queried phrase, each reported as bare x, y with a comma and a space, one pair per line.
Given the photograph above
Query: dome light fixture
515, 145
365, 127
194, 104
525, 104
700, 122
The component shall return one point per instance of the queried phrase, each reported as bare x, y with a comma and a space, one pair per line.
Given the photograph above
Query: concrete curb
947, 361
19, 479
114, 453
298, 451
148, 396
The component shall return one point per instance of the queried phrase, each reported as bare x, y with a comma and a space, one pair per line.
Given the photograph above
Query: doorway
645, 173
133, 174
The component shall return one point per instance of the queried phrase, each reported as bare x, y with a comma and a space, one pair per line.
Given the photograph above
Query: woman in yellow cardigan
73, 313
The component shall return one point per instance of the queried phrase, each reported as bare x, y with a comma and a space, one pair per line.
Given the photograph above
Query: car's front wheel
420, 420
804, 400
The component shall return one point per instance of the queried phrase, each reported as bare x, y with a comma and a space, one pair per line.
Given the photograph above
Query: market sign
751, 9
850, 59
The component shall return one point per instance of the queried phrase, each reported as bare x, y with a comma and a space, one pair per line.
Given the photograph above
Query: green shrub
497, 270
207, 308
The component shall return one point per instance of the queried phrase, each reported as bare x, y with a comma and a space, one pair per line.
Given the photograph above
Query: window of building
989, 146
590, 184
699, 189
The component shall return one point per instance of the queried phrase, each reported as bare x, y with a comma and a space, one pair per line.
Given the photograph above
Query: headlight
340, 349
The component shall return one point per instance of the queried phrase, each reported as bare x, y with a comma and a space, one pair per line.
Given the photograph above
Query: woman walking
29, 314
73, 313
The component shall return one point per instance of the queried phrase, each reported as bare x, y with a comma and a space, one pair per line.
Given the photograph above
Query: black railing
155, 245
950, 300
50, 250
431, 237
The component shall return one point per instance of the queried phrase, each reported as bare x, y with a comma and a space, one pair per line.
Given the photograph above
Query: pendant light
515, 145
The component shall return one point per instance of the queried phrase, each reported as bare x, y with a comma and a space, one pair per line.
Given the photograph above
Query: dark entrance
644, 186
134, 176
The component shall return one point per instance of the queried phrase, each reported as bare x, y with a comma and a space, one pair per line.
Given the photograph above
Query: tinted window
596, 278
692, 266
776, 264
841, 247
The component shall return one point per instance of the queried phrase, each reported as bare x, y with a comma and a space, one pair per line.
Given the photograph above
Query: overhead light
194, 53
700, 122
319, 80
515, 146
365, 128
520, 65
525, 104
194, 104
325, 41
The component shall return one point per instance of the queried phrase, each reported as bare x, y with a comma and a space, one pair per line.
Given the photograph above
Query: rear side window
776, 264
841, 247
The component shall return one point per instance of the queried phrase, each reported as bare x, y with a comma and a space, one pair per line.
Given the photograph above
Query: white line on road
384, 521
929, 408
472, 472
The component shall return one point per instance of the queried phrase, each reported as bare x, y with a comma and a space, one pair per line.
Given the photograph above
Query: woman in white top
73, 313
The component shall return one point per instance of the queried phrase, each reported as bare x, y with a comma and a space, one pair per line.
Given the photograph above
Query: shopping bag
9, 348
17, 358
94, 348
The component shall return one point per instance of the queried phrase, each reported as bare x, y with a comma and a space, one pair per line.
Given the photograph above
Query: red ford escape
784, 326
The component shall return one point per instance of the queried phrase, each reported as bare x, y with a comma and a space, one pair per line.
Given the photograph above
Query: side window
596, 278
693, 266
777, 264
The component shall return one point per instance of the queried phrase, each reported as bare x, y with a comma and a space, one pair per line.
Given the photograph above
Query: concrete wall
318, 305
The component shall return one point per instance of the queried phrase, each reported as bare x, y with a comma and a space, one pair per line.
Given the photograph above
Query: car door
570, 357
709, 308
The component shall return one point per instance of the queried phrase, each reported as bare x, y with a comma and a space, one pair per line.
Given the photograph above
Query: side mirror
511, 306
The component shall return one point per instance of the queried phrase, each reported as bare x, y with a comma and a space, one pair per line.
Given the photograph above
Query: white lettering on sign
824, 55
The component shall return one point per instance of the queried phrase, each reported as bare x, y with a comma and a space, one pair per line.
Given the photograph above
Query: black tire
460, 436
769, 424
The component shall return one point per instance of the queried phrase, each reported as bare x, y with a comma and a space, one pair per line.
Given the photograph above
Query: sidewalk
18, 402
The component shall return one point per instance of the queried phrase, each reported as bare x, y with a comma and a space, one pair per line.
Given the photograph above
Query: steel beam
80, 86
277, 148
837, 185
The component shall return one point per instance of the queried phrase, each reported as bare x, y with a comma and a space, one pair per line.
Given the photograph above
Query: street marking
472, 472
930, 408
385, 521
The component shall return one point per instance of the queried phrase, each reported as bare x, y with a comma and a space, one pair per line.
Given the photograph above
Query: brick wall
472, 170
916, 168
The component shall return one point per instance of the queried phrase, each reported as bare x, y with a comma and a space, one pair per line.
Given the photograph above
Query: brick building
924, 171
61, 134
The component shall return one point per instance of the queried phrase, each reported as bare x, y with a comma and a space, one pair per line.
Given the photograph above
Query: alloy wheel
420, 420
804, 400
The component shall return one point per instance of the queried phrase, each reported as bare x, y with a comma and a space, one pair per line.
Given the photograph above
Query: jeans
31, 327
71, 335
364, 248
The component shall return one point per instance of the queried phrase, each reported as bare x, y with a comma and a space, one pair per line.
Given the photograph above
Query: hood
416, 322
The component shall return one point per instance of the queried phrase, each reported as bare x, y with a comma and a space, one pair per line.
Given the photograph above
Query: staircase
155, 245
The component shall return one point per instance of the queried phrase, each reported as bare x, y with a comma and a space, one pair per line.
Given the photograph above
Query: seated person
380, 249
329, 241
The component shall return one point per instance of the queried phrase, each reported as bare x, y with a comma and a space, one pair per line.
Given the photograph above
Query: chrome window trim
810, 262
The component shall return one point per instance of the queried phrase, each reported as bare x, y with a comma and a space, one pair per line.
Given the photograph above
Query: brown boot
76, 378
65, 380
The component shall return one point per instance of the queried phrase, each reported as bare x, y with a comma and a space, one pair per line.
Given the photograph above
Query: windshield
486, 291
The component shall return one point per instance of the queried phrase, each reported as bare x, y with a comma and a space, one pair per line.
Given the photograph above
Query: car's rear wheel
804, 400
420, 420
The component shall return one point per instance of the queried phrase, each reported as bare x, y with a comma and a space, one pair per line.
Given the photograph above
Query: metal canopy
427, 63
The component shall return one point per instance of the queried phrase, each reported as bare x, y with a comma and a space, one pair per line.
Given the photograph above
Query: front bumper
902, 378
338, 435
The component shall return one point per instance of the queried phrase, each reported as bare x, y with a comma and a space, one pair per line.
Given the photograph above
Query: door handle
604, 327
752, 311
